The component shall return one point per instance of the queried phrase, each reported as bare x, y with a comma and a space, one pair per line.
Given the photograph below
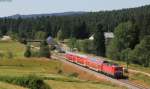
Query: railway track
122, 82
134, 84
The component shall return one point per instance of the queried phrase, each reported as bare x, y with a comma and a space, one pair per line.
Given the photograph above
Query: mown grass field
19, 67
15, 48
47, 69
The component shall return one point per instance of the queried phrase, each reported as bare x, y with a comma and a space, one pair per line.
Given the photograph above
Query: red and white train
98, 65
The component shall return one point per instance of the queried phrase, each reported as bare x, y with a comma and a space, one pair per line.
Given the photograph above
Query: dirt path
136, 71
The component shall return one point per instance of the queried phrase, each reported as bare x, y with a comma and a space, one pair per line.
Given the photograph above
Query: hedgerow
31, 82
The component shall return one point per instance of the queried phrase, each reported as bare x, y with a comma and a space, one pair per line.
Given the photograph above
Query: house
108, 37
91, 37
50, 40
5, 38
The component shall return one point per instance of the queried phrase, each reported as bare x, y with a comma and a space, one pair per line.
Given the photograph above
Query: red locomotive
98, 65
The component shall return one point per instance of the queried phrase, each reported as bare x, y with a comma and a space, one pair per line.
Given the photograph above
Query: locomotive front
118, 72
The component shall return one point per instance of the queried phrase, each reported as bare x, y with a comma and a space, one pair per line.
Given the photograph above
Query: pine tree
99, 41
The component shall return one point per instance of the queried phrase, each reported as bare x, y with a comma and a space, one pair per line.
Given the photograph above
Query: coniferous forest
131, 28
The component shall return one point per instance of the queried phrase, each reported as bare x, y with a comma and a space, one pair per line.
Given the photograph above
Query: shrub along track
122, 82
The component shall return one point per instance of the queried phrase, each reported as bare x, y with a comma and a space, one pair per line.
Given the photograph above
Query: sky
25, 7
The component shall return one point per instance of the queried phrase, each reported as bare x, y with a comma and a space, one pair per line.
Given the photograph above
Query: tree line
131, 28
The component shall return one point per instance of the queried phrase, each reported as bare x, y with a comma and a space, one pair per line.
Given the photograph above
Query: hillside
46, 15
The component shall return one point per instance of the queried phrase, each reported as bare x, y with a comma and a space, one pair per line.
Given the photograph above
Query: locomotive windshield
118, 69
105, 62
111, 63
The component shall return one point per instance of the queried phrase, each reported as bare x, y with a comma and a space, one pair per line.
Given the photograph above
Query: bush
1, 55
44, 50
28, 51
23, 41
31, 82
141, 53
10, 55
35, 54
112, 51
60, 71
74, 74
85, 45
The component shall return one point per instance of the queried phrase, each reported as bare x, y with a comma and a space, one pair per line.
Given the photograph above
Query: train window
93, 59
110, 63
105, 62
115, 64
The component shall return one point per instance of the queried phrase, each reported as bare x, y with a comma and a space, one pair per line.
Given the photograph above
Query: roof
96, 60
109, 35
93, 59
80, 55
49, 40
92, 37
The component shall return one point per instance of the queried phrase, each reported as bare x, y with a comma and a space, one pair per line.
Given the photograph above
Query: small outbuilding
5, 38
91, 37
49, 40
108, 35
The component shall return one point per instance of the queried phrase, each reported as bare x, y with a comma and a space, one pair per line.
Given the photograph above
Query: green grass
80, 85
140, 68
9, 86
10, 46
140, 78
17, 67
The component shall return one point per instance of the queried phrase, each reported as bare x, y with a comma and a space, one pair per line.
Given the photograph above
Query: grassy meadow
15, 48
19, 67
